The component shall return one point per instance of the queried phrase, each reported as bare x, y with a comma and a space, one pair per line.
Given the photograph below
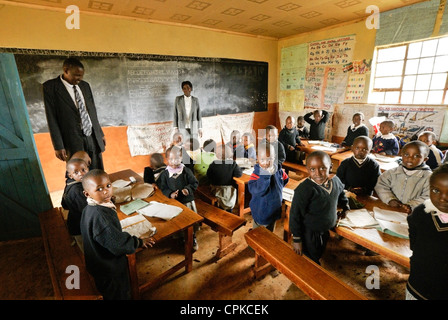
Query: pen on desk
339, 220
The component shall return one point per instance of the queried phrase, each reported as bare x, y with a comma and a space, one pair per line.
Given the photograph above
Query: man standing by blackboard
71, 115
187, 113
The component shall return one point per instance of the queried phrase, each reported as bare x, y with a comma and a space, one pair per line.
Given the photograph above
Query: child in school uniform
247, 148
155, 168
105, 244
272, 139
435, 156
359, 173
303, 130
428, 239
73, 198
266, 185
385, 142
191, 152
314, 209
220, 173
290, 139
235, 143
317, 125
178, 182
178, 140
356, 129
207, 156
406, 186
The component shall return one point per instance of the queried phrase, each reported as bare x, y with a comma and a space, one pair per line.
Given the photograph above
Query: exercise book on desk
160, 210
360, 218
133, 206
138, 226
392, 222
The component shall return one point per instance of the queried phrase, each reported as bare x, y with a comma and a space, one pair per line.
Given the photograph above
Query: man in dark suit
71, 115
187, 113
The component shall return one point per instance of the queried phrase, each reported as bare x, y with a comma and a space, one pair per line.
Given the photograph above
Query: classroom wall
29, 27
364, 47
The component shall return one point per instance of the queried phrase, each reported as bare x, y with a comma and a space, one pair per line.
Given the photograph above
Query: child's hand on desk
297, 246
154, 186
407, 208
174, 194
148, 242
185, 192
342, 214
395, 203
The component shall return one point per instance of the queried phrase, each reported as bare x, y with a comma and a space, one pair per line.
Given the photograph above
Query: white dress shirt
187, 101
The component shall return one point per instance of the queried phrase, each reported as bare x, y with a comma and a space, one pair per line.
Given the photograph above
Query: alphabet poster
336, 51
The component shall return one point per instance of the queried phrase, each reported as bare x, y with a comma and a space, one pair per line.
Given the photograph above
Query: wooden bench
61, 254
223, 222
296, 168
311, 278
203, 192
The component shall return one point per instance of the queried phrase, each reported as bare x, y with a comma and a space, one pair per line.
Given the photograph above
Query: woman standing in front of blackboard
187, 113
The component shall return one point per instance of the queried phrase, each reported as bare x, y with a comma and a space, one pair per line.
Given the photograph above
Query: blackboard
137, 89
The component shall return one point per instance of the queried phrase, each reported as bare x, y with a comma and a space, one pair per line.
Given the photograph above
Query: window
411, 73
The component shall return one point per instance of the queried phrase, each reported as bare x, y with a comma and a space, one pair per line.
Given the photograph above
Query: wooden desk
184, 221
309, 147
393, 248
242, 182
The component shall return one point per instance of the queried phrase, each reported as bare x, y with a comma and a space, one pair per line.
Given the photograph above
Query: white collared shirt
71, 91
187, 101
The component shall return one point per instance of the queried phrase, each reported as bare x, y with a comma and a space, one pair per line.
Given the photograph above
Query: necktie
85, 119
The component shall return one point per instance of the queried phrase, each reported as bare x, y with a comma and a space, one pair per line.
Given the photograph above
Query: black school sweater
221, 174
315, 208
105, 244
74, 200
428, 238
317, 130
185, 180
355, 175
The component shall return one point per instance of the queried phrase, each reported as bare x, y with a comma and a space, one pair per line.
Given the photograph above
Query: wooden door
23, 190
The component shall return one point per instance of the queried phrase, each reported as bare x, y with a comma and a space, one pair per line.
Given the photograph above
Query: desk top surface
164, 228
395, 248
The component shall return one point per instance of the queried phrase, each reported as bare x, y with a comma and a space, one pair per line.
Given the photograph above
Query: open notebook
388, 221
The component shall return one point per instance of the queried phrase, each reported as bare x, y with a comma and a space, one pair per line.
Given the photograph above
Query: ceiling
265, 18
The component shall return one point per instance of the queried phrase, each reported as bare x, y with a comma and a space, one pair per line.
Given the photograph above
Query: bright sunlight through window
411, 73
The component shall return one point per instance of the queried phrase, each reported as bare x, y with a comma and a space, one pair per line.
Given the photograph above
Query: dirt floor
24, 272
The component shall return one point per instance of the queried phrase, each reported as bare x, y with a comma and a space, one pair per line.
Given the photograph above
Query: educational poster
151, 138
325, 87
411, 120
343, 115
243, 122
293, 67
336, 51
355, 87
291, 100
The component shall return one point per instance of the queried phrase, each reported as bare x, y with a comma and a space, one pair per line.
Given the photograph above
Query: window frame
399, 89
